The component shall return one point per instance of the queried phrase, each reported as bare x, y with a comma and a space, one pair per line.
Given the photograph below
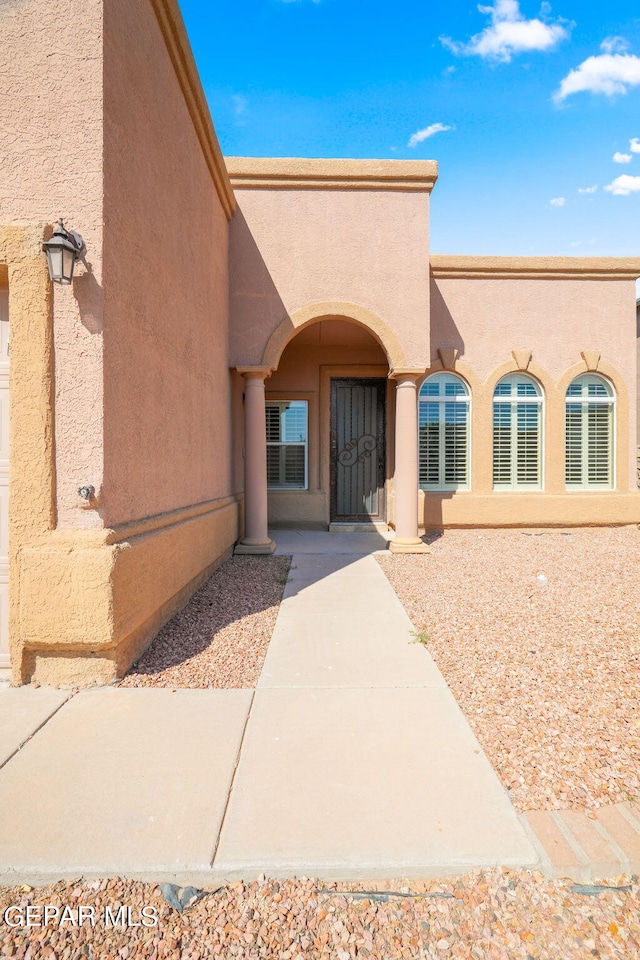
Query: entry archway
330, 389
335, 309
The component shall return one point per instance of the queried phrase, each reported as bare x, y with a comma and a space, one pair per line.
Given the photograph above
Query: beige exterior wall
499, 318
167, 410
51, 166
317, 232
112, 571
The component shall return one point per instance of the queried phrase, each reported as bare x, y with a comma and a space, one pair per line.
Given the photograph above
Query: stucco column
256, 537
406, 539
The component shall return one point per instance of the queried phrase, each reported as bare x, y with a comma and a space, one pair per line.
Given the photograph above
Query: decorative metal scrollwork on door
357, 451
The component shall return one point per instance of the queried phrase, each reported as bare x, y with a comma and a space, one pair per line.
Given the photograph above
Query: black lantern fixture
64, 248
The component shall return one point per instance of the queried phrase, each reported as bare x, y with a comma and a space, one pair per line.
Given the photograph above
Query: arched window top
444, 386
518, 387
590, 387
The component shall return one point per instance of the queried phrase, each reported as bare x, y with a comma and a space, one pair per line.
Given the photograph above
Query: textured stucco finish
291, 248
51, 163
106, 601
167, 385
32, 460
557, 319
162, 300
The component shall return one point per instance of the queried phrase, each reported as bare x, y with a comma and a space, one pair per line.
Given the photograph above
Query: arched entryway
329, 407
315, 369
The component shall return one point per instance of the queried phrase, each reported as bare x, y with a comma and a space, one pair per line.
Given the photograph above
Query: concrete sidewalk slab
352, 651
341, 625
129, 781
365, 783
23, 710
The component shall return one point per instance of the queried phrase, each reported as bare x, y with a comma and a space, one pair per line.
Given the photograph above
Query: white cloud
240, 104
634, 145
588, 189
624, 185
584, 243
558, 201
621, 157
614, 45
509, 33
608, 74
426, 132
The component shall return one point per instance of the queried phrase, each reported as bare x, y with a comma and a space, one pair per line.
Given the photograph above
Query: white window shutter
589, 432
517, 433
444, 438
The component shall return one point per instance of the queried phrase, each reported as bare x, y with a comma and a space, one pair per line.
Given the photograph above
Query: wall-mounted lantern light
64, 248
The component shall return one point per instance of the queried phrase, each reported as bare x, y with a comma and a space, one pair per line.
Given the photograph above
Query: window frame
279, 402
585, 401
465, 399
514, 401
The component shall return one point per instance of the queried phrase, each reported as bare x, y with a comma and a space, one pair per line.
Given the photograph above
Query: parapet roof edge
331, 174
175, 36
584, 268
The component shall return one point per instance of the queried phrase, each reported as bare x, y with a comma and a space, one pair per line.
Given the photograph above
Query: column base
408, 545
261, 549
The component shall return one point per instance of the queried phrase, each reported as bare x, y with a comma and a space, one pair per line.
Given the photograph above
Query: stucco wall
290, 248
167, 385
51, 163
555, 318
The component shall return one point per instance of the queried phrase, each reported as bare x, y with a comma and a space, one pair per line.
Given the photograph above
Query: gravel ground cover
220, 638
538, 636
495, 915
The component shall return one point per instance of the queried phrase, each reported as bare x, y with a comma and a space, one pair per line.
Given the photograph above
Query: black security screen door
357, 450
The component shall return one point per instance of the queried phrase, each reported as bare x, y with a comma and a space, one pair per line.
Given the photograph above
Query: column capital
255, 373
407, 373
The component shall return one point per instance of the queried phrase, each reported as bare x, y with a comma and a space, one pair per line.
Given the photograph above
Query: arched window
517, 433
589, 434
443, 411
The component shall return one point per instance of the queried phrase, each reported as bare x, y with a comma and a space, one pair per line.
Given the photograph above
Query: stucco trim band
175, 36
106, 601
558, 268
520, 509
306, 174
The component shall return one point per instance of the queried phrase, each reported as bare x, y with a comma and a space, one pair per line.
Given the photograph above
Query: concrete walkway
351, 759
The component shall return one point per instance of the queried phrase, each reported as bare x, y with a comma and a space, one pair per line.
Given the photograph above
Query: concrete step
370, 526
585, 845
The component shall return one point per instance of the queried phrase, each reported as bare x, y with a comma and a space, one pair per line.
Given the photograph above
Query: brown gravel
547, 675
220, 638
495, 915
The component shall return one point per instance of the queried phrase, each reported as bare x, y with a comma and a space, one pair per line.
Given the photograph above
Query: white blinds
286, 444
444, 433
517, 434
589, 433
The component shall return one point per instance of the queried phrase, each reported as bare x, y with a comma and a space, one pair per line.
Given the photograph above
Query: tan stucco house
250, 341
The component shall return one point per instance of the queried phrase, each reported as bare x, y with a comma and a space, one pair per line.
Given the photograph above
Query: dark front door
357, 450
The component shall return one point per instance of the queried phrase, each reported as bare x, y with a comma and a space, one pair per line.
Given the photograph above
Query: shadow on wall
255, 306
444, 332
88, 295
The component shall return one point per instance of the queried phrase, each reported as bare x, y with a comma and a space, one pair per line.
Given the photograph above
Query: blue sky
532, 111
